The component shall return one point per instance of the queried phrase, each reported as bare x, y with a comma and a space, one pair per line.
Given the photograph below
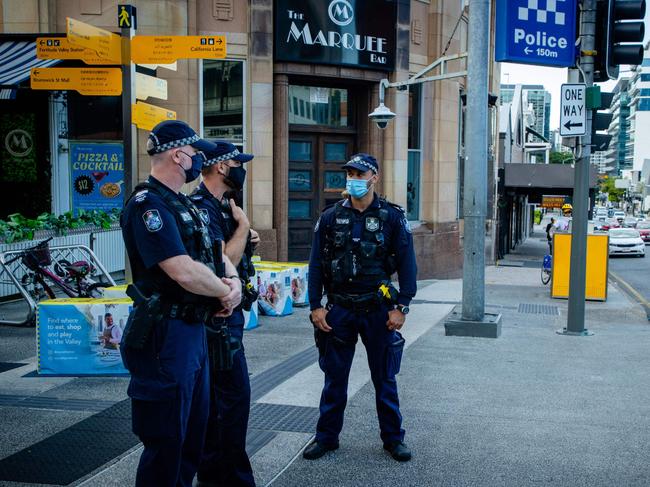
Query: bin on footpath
597, 266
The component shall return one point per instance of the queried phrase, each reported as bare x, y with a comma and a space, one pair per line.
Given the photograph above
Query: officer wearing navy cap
358, 244
225, 462
173, 266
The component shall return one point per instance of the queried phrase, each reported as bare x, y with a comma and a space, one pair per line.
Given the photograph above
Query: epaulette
396, 206
141, 196
196, 196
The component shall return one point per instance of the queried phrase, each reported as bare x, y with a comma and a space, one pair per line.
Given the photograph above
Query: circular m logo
18, 143
341, 12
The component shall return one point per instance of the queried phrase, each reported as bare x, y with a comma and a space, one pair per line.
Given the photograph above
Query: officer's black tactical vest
245, 268
196, 240
347, 261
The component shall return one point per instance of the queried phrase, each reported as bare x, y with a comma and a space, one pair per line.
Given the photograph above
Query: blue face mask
197, 164
357, 188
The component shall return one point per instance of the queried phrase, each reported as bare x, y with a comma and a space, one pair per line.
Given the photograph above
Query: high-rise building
619, 155
539, 99
599, 159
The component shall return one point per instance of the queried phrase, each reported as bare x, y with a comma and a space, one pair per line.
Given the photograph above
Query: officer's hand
239, 215
255, 237
233, 298
318, 319
396, 320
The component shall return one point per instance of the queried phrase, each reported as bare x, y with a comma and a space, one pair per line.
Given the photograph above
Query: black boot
399, 451
316, 450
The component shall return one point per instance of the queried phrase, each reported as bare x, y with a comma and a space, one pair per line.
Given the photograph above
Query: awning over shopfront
536, 180
554, 176
17, 58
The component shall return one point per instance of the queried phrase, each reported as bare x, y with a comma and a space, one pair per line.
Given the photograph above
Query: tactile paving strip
268, 380
74, 452
257, 439
538, 309
280, 417
53, 403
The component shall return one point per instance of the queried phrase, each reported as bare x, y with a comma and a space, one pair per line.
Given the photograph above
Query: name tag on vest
186, 217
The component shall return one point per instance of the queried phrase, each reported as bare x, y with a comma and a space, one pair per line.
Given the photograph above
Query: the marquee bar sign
358, 33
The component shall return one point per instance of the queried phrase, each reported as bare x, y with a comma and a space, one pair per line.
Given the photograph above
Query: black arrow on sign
220, 41
41, 42
569, 125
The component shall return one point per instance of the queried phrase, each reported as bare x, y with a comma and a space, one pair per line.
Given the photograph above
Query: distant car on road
601, 214
643, 228
619, 215
641, 218
626, 241
610, 212
629, 222
611, 223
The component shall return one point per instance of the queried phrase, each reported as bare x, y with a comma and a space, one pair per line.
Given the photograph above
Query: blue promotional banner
97, 176
81, 336
540, 32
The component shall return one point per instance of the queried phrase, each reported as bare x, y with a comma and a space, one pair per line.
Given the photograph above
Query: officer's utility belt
188, 312
356, 302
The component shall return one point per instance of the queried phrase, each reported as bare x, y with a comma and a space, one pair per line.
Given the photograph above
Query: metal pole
129, 133
475, 196
577, 277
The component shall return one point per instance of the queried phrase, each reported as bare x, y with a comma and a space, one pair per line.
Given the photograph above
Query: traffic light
600, 121
619, 36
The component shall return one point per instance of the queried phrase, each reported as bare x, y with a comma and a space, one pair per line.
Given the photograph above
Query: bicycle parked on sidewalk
547, 265
73, 279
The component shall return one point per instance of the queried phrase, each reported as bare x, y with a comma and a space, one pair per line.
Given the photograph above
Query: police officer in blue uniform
175, 291
225, 462
358, 244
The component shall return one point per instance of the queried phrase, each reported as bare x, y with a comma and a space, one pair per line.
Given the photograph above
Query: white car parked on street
626, 241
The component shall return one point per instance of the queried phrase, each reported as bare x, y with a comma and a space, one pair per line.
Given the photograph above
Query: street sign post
146, 86
147, 116
167, 49
535, 32
573, 112
60, 48
87, 81
106, 44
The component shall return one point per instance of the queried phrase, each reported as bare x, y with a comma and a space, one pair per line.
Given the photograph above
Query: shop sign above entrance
60, 48
357, 33
86, 81
167, 49
106, 44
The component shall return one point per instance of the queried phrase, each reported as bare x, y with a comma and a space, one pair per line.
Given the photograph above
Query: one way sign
573, 113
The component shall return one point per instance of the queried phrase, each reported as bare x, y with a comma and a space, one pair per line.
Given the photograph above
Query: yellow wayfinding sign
60, 48
87, 81
147, 116
167, 49
146, 86
106, 44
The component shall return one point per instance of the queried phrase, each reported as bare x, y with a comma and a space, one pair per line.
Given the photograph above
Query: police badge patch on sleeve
406, 224
152, 220
205, 216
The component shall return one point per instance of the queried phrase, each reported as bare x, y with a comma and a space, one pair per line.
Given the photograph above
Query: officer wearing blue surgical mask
359, 243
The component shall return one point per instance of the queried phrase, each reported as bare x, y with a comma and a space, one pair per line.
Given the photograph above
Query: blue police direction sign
541, 32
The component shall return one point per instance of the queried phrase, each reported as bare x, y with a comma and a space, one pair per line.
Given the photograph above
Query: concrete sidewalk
529, 408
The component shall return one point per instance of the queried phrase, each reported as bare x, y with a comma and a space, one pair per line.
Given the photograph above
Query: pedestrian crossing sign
126, 16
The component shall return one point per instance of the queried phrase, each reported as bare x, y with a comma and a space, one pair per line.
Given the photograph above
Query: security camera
381, 116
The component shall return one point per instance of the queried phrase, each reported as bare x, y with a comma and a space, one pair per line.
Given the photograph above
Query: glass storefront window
299, 180
413, 186
223, 100
300, 209
299, 151
311, 105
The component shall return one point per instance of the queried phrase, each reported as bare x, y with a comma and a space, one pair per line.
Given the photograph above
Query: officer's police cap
174, 133
362, 162
224, 151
